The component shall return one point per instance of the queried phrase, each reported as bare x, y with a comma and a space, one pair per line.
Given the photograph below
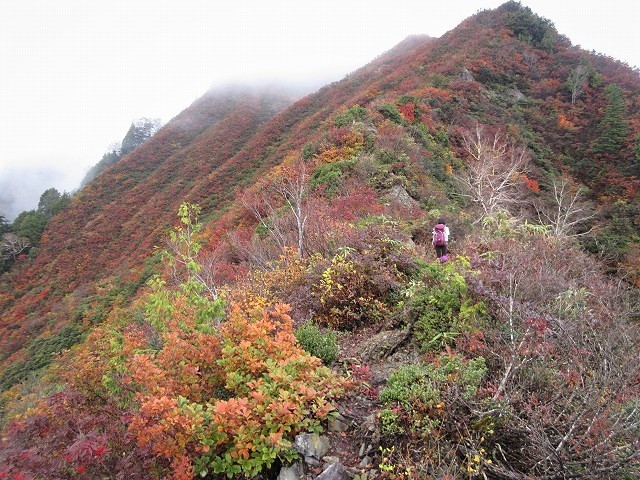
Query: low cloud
21, 187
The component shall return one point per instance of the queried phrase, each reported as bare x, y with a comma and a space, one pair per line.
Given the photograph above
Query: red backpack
439, 238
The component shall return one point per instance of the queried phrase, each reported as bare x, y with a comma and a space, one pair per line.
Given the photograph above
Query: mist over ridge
263, 267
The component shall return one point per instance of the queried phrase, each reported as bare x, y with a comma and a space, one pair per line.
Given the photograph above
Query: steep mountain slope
327, 206
112, 224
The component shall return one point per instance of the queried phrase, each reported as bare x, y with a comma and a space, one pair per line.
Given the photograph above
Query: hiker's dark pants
441, 250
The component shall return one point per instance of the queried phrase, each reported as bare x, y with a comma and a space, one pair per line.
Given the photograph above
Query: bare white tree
12, 245
254, 250
493, 176
577, 81
568, 210
292, 187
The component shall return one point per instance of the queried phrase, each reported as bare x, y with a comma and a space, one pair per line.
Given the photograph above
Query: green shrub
391, 112
442, 306
466, 375
41, 353
308, 151
424, 392
410, 385
321, 343
330, 176
353, 114
390, 423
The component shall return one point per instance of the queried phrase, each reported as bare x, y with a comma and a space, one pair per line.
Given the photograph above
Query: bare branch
292, 188
567, 211
12, 245
494, 172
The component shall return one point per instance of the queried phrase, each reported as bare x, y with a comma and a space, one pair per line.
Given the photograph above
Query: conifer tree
614, 126
30, 224
52, 202
4, 225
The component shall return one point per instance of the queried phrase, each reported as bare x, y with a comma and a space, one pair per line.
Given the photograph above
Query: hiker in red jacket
440, 239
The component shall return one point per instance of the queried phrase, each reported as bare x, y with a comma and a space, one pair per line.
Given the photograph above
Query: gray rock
312, 462
466, 75
361, 452
312, 445
364, 402
338, 425
376, 347
400, 195
293, 472
335, 471
330, 459
516, 94
366, 461
369, 423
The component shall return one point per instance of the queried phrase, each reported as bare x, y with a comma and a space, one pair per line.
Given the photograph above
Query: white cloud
75, 73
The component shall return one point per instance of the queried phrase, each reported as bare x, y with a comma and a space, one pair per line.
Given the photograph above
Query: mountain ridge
386, 148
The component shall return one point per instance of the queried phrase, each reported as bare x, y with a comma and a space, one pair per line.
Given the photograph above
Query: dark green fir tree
613, 128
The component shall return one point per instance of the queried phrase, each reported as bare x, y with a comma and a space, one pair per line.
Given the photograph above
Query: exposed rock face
293, 472
338, 424
377, 347
314, 448
466, 75
397, 194
312, 445
335, 471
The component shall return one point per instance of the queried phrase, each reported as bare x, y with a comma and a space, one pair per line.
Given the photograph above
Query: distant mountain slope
507, 68
515, 358
113, 223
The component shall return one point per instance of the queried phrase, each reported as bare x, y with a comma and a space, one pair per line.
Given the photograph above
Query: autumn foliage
137, 345
266, 390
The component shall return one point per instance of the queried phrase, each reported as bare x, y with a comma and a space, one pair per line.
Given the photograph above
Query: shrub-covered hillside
292, 318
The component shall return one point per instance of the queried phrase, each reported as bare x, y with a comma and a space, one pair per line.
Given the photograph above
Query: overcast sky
75, 73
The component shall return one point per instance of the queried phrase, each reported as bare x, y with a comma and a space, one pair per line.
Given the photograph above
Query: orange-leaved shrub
175, 386
223, 395
269, 390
